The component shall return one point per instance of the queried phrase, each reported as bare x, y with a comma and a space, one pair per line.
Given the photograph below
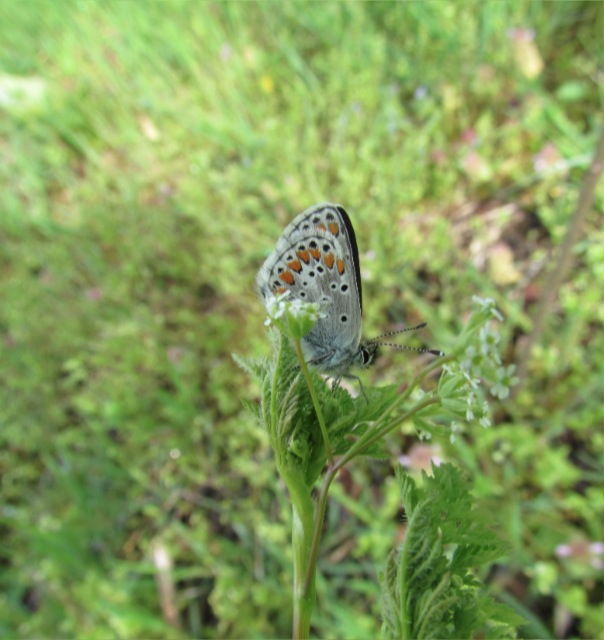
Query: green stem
315, 400
381, 429
304, 526
332, 471
304, 592
386, 424
273, 410
308, 522
420, 377
318, 526
437, 364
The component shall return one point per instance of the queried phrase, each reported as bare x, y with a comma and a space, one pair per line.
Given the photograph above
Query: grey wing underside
317, 281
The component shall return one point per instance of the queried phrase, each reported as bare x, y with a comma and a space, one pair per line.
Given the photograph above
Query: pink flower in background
546, 158
93, 294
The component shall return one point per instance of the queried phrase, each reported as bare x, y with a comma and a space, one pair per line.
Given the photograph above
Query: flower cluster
480, 368
292, 317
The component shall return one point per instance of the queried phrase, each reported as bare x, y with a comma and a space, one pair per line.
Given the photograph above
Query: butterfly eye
368, 354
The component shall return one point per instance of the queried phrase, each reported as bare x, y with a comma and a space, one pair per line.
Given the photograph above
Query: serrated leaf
254, 408
256, 367
434, 593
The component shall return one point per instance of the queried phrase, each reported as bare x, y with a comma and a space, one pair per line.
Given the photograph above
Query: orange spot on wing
279, 290
321, 226
295, 265
304, 256
315, 253
329, 260
340, 266
287, 277
334, 228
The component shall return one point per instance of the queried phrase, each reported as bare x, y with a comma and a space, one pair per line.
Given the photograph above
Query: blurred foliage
150, 155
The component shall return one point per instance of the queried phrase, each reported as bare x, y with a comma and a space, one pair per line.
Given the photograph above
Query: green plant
311, 426
429, 588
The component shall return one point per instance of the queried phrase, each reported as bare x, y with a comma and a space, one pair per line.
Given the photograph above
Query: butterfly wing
316, 260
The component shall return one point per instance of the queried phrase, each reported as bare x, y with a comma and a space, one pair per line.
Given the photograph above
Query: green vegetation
150, 155
430, 589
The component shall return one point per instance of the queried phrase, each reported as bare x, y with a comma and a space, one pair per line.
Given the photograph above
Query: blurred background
150, 156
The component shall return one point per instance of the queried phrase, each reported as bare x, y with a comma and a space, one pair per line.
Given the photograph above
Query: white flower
489, 340
292, 316
471, 381
484, 422
505, 380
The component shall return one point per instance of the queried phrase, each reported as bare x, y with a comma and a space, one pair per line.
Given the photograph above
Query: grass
142, 192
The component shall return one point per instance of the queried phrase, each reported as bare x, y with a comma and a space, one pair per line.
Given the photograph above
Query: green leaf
256, 367
428, 588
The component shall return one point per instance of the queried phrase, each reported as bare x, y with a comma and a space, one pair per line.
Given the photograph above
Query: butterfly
316, 259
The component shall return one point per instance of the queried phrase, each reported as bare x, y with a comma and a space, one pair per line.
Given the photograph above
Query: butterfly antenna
417, 327
402, 347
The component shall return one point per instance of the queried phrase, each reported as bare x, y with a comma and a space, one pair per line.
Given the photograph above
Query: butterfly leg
336, 383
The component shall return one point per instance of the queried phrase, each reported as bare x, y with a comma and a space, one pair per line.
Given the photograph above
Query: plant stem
304, 569
318, 525
315, 400
332, 471
381, 430
304, 526
273, 409
307, 523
